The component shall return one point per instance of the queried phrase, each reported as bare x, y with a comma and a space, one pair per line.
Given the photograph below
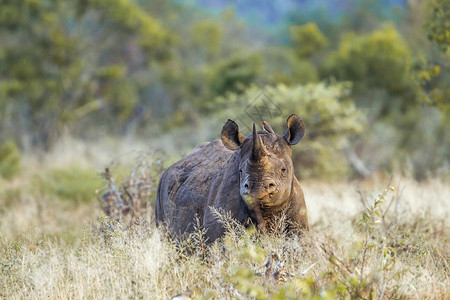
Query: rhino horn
258, 149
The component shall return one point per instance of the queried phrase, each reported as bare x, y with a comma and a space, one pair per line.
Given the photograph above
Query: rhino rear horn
295, 130
258, 149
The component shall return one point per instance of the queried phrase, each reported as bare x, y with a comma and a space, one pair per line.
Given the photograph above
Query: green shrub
9, 160
330, 119
208, 36
282, 65
308, 39
234, 73
130, 193
70, 183
380, 59
48, 72
437, 24
123, 98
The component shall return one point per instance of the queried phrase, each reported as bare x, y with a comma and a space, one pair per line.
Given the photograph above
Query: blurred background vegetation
369, 78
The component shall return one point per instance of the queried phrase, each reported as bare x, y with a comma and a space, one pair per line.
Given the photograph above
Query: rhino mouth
262, 209
262, 215
256, 213
265, 202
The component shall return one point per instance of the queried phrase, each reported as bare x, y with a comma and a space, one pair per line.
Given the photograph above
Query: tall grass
366, 239
370, 241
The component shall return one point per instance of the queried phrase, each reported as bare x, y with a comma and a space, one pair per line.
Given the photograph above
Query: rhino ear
295, 130
231, 137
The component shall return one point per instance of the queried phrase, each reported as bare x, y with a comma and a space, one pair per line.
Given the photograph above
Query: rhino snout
259, 190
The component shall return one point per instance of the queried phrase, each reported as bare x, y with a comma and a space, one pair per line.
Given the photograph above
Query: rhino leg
214, 228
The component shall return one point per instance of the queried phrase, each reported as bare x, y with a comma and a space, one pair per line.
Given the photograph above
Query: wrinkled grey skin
252, 178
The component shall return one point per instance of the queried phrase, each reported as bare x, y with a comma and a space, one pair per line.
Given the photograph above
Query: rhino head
266, 172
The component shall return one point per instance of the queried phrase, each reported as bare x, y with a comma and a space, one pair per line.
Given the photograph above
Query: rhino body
252, 178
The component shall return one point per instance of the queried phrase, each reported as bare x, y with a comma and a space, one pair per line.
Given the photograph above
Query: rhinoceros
252, 178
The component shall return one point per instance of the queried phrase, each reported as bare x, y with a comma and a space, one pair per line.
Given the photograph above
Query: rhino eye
283, 170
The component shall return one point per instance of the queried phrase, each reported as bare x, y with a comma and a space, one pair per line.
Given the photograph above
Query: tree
379, 59
435, 90
308, 39
61, 60
207, 35
438, 30
234, 73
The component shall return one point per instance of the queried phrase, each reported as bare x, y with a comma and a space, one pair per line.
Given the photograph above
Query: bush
9, 160
380, 59
70, 183
132, 196
437, 24
330, 119
51, 78
282, 65
308, 39
208, 36
234, 73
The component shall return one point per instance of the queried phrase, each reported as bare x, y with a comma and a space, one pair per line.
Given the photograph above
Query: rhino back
184, 187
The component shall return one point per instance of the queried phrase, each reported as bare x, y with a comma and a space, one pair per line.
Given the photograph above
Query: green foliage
244, 280
282, 65
439, 97
380, 59
70, 183
304, 72
129, 16
438, 29
111, 72
51, 64
150, 67
308, 39
428, 72
208, 35
129, 192
235, 73
122, 98
431, 88
10, 160
9, 197
423, 71
329, 115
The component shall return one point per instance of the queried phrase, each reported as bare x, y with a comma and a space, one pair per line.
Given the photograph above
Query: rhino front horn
258, 150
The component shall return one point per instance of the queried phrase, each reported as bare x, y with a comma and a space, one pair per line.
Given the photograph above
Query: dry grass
53, 249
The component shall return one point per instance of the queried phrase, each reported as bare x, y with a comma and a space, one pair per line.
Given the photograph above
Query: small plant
134, 196
370, 262
374, 226
9, 160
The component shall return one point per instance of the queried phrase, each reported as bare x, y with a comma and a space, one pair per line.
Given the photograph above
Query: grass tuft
71, 183
362, 244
